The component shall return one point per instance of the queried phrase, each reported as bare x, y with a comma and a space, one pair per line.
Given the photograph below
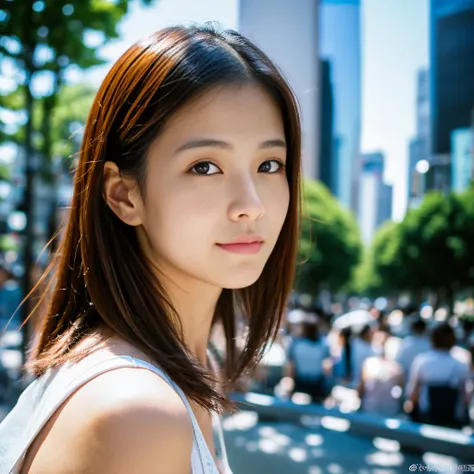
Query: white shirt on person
360, 350
411, 347
437, 367
308, 356
381, 377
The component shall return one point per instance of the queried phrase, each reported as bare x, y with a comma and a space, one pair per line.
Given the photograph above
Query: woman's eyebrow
202, 143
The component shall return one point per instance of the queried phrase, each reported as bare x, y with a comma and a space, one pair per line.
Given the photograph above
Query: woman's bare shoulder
126, 420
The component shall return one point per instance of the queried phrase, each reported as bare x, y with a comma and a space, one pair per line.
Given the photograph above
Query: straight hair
99, 278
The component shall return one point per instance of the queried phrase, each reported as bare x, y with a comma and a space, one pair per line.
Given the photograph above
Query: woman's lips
242, 248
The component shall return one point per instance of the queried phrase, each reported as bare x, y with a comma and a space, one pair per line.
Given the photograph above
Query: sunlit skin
215, 176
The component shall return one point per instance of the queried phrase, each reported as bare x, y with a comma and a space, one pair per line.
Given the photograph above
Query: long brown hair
100, 277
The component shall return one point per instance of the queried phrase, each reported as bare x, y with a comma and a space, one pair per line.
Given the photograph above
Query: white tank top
45, 395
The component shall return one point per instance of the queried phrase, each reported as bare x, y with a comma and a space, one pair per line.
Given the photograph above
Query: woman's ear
121, 195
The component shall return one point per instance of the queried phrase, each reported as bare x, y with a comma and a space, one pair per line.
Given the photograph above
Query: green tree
381, 271
429, 251
329, 245
46, 37
436, 239
43, 38
67, 122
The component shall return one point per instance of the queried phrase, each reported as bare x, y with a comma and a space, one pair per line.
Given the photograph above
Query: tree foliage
330, 243
41, 40
430, 250
67, 31
380, 270
67, 122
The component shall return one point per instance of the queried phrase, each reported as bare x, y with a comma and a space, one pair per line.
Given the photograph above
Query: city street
281, 448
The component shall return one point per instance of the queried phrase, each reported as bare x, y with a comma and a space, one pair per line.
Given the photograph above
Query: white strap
220, 434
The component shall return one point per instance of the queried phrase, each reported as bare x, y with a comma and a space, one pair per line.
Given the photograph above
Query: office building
462, 159
287, 31
375, 197
328, 155
419, 148
340, 44
451, 70
451, 81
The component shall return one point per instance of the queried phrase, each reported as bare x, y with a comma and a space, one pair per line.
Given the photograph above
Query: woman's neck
195, 306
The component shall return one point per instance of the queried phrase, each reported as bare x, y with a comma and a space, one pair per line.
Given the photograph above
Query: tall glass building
287, 31
452, 69
375, 196
328, 172
419, 149
339, 43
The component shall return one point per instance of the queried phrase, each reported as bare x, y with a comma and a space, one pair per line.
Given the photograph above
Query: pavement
317, 447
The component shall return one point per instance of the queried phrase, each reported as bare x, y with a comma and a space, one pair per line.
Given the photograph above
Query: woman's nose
246, 202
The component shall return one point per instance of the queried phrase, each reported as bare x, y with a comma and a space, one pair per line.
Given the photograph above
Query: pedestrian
340, 344
184, 214
437, 389
361, 349
380, 389
305, 358
414, 344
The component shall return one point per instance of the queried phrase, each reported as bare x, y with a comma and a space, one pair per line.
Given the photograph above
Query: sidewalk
282, 448
444, 441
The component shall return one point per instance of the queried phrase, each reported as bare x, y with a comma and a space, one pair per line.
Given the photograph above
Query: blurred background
372, 370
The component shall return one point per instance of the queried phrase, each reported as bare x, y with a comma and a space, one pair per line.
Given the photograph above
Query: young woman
184, 215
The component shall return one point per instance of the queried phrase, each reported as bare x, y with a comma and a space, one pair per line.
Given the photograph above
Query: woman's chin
237, 282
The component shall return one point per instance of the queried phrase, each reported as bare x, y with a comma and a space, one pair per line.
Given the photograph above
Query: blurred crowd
398, 364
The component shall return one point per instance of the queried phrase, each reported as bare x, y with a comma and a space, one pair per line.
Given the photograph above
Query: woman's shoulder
125, 387
127, 419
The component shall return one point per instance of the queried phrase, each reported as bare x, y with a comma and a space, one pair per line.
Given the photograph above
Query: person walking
437, 388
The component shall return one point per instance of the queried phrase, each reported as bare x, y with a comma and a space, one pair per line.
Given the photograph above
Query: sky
394, 48
395, 40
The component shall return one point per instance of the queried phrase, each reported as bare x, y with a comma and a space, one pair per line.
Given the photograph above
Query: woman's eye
205, 168
271, 166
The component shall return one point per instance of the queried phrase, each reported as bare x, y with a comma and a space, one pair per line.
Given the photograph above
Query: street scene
370, 369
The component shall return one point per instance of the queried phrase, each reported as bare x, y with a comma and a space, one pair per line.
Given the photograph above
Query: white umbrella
296, 316
359, 317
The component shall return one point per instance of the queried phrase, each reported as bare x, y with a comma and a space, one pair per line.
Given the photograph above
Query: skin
185, 214
135, 422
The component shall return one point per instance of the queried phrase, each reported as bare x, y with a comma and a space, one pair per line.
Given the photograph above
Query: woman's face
215, 176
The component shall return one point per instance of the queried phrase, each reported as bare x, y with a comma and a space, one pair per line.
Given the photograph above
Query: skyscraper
462, 159
452, 69
420, 146
339, 37
328, 171
451, 81
287, 31
375, 205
